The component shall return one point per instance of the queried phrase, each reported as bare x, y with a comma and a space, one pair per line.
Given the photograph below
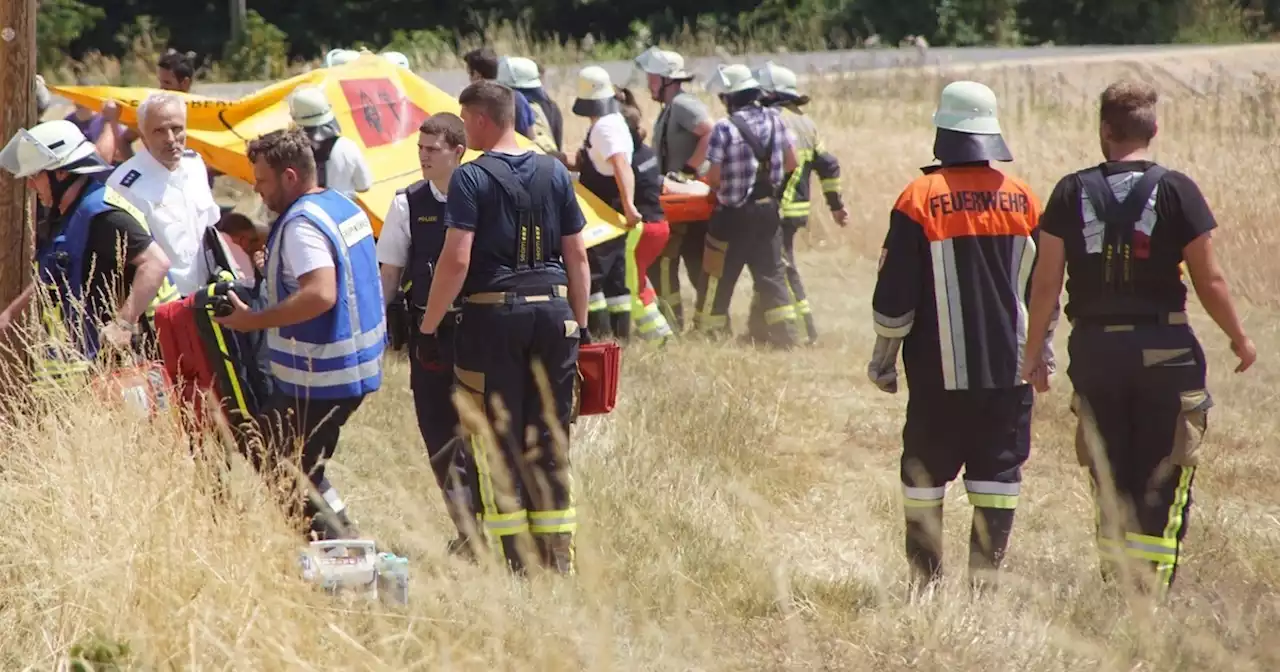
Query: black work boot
599, 325
924, 544
460, 547
557, 552
988, 540
811, 330
621, 325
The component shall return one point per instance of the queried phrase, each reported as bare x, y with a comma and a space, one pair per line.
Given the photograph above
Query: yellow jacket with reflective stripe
811, 155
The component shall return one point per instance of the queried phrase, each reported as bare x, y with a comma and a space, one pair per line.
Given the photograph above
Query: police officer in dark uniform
515, 255
412, 238
1122, 230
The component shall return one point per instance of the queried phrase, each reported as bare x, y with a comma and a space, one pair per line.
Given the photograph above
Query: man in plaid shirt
746, 228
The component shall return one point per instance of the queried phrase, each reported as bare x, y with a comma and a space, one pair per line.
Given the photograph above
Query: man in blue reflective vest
514, 252
325, 323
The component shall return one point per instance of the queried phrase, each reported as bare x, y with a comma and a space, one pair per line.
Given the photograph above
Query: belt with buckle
1128, 322
500, 298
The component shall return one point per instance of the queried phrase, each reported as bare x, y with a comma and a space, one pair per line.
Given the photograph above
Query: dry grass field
741, 509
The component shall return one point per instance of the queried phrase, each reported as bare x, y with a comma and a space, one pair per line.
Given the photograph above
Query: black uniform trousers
521, 463
988, 433
432, 386
749, 236
305, 432
1142, 406
687, 242
609, 304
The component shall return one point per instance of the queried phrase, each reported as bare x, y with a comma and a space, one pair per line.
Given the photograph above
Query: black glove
426, 351
584, 335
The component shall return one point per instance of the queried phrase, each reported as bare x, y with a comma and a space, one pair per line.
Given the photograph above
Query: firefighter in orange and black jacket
779, 85
952, 295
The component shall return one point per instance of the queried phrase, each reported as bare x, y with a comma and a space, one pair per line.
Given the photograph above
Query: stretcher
686, 200
207, 360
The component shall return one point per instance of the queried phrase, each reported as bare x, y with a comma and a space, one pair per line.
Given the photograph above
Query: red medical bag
598, 372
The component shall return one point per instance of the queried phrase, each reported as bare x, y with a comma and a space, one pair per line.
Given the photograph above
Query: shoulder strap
1107, 207
217, 257
506, 178
660, 144
540, 185
321, 151
1118, 219
762, 155
324, 148
532, 244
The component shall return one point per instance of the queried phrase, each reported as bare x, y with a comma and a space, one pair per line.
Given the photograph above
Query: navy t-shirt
478, 204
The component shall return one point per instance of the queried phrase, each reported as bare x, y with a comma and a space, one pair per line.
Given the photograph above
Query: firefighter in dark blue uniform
409, 246
1122, 230
515, 256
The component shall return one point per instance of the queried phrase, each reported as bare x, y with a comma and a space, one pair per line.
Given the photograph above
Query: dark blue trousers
517, 357
432, 386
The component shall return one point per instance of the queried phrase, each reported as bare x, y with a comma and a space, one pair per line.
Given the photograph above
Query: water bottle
393, 579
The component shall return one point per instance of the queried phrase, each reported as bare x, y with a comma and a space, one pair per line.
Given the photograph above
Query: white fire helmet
50, 146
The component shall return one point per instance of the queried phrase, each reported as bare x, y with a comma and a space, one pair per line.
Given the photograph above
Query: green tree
59, 23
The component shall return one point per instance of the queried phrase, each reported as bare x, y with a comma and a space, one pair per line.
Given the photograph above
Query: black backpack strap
506, 178
324, 148
1118, 217
217, 257
540, 188
321, 151
764, 156
660, 144
531, 239
1105, 204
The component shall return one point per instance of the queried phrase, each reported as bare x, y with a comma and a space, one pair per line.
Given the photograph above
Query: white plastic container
342, 567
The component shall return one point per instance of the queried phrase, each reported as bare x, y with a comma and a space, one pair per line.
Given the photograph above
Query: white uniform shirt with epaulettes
178, 205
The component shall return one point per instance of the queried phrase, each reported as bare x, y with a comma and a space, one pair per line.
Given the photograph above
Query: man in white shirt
170, 185
340, 165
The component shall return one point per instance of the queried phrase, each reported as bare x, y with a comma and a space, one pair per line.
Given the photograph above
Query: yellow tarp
378, 105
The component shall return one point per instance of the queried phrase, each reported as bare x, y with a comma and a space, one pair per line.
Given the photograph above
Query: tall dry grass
741, 508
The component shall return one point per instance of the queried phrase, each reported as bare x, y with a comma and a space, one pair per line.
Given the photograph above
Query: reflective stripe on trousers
992, 494
597, 302
1162, 551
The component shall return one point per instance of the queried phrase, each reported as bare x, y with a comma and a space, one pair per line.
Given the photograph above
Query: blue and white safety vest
62, 262
337, 355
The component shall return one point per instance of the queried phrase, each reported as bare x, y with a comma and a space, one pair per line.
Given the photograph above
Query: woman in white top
606, 165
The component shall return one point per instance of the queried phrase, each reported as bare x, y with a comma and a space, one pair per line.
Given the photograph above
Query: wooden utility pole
17, 110
239, 9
